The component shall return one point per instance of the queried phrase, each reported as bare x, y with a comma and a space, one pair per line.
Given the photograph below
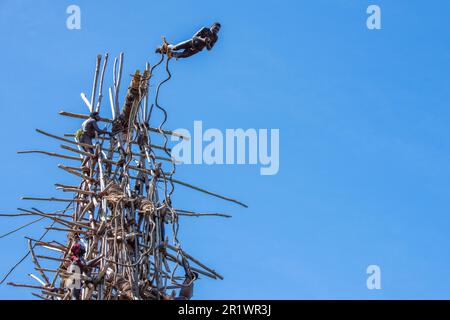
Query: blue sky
363, 118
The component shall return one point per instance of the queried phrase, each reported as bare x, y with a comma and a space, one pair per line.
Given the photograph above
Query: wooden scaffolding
121, 214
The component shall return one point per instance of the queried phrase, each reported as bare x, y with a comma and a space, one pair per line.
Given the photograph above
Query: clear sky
364, 123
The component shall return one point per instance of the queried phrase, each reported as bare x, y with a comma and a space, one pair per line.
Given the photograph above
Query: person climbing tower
77, 251
204, 38
87, 133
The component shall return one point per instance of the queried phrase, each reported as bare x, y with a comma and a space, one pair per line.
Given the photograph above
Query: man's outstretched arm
200, 35
98, 130
210, 44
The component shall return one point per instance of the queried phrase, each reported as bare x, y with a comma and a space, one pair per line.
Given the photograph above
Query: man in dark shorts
204, 38
88, 130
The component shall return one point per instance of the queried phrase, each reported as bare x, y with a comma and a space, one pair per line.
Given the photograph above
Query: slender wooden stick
100, 89
84, 177
15, 214
84, 153
28, 286
65, 140
94, 86
205, 273
53, 199
195, 214
60, 186
48, 245
103, 138
21, 227
208, 192
111, 102
50, 154
36, 261
119, 79
80, 191
83, 116
52, 258
59, 220
67, 230
86, 101
194, 260
37, 279
47, 270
